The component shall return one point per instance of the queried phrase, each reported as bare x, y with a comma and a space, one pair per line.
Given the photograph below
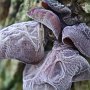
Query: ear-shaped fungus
60, 68
79, 35
48, 18
22, 41
57, 6
64, 10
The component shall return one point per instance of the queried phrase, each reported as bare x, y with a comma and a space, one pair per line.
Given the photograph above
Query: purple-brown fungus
22, 41
79, 35
48, 18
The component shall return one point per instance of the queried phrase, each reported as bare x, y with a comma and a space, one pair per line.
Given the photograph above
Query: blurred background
12, 11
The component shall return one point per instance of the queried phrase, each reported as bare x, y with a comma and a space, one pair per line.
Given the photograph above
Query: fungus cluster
64, 63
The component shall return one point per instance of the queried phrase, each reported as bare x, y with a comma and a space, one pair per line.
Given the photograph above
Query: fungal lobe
47, 18
61, 66
22, 41
79, 35
62, 9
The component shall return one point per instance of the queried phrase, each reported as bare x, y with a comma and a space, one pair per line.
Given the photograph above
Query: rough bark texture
12, 11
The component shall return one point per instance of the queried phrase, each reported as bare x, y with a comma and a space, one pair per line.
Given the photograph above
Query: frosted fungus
63, 64
47, 18
22, 41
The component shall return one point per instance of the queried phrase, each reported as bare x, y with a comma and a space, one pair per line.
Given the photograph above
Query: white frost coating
22, 41
80, 36
60, 68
